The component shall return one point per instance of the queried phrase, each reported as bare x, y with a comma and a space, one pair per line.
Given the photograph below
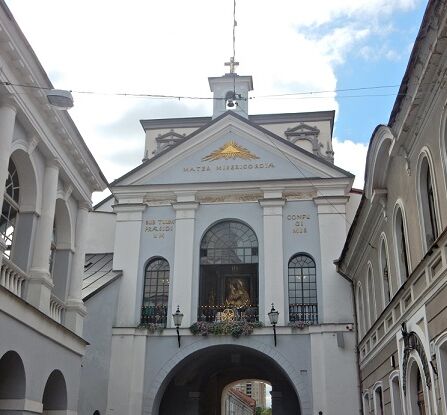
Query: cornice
21, 66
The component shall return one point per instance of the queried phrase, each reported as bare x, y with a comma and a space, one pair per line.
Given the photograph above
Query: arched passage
195, 385
55, 393
12, 377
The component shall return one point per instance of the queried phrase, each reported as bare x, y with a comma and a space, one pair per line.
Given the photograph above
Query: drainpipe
357, 351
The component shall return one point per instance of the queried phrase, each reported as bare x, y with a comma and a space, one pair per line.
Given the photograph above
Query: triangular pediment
230, 149
171, 135
302, 129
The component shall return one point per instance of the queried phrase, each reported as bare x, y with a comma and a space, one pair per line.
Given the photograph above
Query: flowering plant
152, 327
223, 328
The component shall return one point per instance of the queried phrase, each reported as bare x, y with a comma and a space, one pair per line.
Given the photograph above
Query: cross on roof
232, 64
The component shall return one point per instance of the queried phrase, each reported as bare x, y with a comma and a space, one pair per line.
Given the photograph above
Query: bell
230, 103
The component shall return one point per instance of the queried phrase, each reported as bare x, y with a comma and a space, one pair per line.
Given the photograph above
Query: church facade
227, 217
227, 257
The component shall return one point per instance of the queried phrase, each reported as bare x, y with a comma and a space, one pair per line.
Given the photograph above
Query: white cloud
351, 156
172, 46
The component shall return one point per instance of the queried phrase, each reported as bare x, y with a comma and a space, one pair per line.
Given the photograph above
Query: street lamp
60, 99
177, 316
273, 317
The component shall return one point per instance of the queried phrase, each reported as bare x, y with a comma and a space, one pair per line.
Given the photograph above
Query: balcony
303, 313
211, 313
12, 277
154, 315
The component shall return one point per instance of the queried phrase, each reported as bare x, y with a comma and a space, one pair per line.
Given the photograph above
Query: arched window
366, 404
442, 369
52, 249
370, 296
378, 401
427, 204
10, 208
401, 246
360, 311
156, 292
385, 273
396, 401
302, 290
228, 272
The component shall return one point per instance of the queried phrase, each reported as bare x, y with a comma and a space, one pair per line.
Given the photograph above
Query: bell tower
230, 92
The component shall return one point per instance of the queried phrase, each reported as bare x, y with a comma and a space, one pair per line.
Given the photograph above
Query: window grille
156, 293
229, 242
302, 290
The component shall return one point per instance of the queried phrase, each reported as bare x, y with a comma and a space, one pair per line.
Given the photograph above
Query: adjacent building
47, 176
395, 253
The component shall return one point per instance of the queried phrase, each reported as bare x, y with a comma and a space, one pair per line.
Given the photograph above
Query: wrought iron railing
154, 314
12, 277
304, 313
211, 313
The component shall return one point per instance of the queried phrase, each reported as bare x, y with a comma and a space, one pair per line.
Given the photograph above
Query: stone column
7, 121
183, 262
75, 310
40, 283
273, 257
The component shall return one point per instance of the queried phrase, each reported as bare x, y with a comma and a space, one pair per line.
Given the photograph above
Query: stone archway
194, 385
55, 393
12, 381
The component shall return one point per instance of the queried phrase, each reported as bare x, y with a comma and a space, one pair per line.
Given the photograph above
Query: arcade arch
12, 378
55, 393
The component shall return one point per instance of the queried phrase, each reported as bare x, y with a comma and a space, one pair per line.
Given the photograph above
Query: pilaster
40, 283
75, 310
183, 264
7, 121
129, 218
273, 256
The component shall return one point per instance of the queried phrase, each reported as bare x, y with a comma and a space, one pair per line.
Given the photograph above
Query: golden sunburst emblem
230, 150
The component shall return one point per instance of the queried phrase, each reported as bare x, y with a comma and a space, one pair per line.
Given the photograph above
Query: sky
171, 47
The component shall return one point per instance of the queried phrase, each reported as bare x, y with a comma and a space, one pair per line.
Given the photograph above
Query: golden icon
230, 150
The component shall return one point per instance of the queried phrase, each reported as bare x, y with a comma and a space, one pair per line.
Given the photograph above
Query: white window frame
384, 244
376, 403
394, 398
397, 207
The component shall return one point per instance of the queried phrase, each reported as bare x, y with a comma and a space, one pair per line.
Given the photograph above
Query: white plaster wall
334, 374
101, 233
337, 304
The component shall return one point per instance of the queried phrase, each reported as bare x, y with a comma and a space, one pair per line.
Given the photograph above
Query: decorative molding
230, 150
33, 143
412, 342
